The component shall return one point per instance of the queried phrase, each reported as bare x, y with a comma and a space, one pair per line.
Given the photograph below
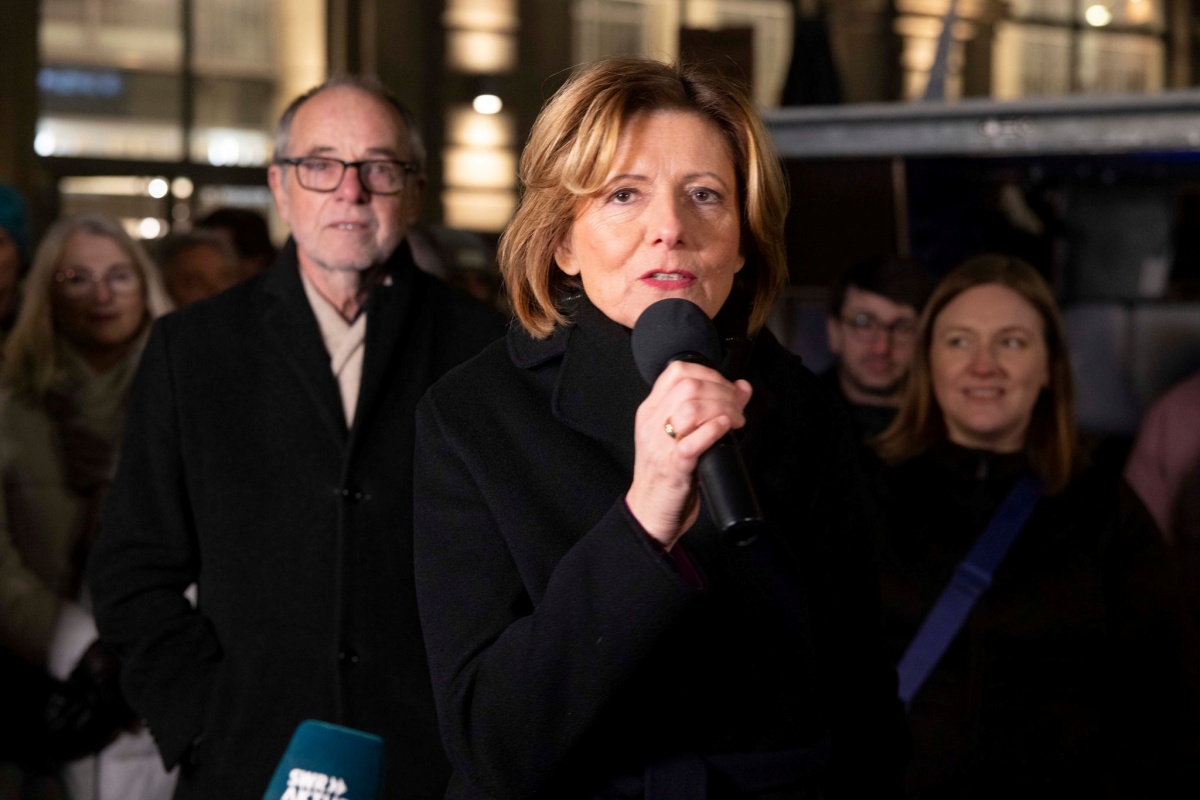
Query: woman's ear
564, 255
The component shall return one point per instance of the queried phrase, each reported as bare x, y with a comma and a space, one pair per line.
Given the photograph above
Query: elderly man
872, 323
268, 461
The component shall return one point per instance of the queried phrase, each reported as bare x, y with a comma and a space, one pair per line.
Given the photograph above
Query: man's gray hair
364, 83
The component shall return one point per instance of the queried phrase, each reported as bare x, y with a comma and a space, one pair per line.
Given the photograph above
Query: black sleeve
145, 558
518, 680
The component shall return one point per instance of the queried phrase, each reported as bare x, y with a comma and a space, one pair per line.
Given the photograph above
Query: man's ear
416, 197
275, 180
564, 255
834, 333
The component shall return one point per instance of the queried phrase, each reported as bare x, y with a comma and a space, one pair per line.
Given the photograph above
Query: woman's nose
984, 361
102, 291
666, 221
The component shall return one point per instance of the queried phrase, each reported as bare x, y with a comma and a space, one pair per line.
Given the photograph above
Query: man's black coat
238, 474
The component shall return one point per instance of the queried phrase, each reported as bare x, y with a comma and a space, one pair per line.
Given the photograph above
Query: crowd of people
242, 487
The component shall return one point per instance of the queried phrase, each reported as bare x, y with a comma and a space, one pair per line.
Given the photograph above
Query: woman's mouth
669, 280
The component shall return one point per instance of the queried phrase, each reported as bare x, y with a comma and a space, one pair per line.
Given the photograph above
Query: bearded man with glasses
268, 461
872, 322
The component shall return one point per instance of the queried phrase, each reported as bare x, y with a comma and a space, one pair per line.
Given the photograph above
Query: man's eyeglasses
867, 326
79, 283
377, 176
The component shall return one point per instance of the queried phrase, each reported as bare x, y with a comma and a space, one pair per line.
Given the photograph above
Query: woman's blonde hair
1051, 441
569, 154
31, 367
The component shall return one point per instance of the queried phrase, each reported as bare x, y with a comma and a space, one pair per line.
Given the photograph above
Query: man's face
873, 341
348, 229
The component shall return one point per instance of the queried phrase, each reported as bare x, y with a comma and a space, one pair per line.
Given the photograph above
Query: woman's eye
1013, 342
622, 195
705, 195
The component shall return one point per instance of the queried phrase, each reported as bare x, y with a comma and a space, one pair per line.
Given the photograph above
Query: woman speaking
590, 631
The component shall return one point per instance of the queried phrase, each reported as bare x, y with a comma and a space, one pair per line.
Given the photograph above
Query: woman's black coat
566, 651
1071, 676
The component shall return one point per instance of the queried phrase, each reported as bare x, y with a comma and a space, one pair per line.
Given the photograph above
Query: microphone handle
727, 491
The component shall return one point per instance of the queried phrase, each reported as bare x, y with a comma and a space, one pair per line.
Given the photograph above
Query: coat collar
293, 329
597, 390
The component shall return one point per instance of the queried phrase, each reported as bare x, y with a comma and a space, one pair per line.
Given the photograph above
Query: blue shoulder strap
970, 580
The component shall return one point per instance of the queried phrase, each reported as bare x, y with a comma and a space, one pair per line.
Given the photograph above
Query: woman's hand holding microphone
690, 407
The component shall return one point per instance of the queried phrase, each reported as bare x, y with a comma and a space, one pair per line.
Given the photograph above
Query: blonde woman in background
88, 302
1071, 674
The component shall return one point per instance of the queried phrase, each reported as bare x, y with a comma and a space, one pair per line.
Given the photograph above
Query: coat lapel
390, 309
292, 329
599, 389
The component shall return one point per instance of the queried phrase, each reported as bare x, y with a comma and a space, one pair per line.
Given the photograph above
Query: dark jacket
567, 652
238, 474
1071, 676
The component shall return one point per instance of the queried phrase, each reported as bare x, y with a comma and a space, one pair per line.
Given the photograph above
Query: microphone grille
671, 328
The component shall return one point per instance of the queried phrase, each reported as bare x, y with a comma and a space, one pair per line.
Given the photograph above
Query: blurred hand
87, 711
702, 407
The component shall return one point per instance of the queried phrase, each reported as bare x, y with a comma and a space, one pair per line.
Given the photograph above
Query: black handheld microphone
675, 329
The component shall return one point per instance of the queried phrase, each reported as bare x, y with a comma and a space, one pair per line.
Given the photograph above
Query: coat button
350, 494
348, 658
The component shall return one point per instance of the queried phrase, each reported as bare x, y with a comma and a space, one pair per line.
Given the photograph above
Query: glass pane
112, 33
1111, 62
109, 112
234, 36
1031, 60
110, 79
131, 199
1044, 10
233, 119
1146, 14
235, 81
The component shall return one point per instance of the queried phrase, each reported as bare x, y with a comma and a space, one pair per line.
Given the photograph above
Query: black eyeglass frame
902, 329
405, 166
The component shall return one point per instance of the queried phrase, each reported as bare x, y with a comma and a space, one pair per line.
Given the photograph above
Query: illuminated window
1052, 47
653, 28
134, 82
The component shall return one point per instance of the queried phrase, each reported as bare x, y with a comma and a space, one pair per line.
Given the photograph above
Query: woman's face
988, 361
97, 296
665, 224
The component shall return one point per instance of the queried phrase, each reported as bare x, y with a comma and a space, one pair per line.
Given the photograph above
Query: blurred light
182, 187
157, 188
180, 212
223, 151
489, 15
466, 127
478, 210
150, 228
468, 168
1097, 16
1139, 12
106, 137
80, 82
487, 104
105, 185
481, 52
45, 143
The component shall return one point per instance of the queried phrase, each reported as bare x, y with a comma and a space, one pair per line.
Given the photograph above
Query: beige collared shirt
345, 342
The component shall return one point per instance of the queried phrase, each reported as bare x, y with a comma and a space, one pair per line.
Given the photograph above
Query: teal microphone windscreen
328, 762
